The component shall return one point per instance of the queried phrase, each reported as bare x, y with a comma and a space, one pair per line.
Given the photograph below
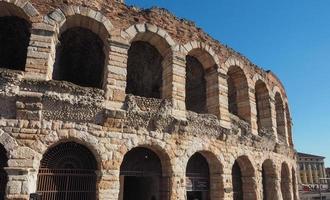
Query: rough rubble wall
110, 134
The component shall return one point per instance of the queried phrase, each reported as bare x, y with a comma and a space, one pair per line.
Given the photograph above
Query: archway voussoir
141, 28
58, 15
30, 10
152, 28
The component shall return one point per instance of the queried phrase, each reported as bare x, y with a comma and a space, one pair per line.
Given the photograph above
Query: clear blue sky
289, 37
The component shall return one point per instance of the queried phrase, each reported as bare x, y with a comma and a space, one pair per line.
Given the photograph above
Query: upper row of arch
102, 26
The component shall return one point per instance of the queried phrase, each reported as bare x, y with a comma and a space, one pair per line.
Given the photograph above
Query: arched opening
144, 70
80, 58
280, 118
67, 172
285, 182
243, 183
288, 124
294, 184
198, 178
141, 176
3, 174
237, 182
14, 37
202, 95
268, 180
195, 86
264, 116
238, 93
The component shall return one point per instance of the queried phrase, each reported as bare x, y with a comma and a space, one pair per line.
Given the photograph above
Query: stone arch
280, 118
83, 140
148, 56
285, 182
72, 16
212, 170
263, 104
269, 179
15, 20
201, 78
238, 93
152, 34
288, 124
22, 9
294, 183
3, 174
243, 179
142, 171
81, 54
73, 175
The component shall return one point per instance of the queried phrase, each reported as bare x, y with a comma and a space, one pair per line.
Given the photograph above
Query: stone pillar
223, 102
177, 187
278, 193
252, 97
213, 92
304, 181
324, 173
272, 119
174, 82
109, 185
310, 174
315, 173
115, 74
41, 52
21, 182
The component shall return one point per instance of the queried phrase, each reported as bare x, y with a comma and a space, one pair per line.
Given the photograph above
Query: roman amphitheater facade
103, 101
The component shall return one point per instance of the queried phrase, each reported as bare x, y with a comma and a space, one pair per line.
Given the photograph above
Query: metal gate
67, 172
64, 184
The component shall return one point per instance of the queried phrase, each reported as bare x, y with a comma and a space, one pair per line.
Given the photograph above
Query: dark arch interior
197, 178
14, 42
263, 106
288, 124
238, 93
237, 182
280, 120
3, 174
144, 70
80, 58
195, 85
141, 176
285, 182
67, 171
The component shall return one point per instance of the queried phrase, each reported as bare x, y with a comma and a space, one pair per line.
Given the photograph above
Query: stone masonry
234, 114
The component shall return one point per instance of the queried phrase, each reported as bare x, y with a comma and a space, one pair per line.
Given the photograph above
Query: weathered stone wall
38, 112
